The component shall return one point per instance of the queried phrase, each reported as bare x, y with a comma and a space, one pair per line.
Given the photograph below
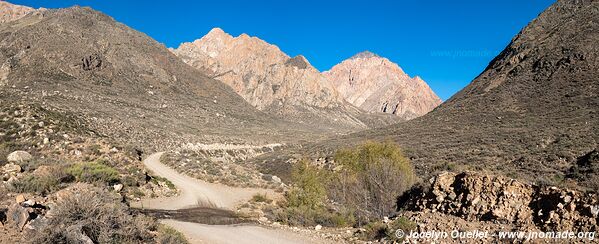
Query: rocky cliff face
271, 81
10, 12
375, 84
260, 72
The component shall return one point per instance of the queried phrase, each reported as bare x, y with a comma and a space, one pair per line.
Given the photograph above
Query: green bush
168, 235
157, 179
401, 223
364, 188
94, 172
306, 201
41, 184
261, 198
378, 230
309, 187
374, 231
371, 178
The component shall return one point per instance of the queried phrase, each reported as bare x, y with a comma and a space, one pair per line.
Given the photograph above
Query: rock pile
480, 197
23, 214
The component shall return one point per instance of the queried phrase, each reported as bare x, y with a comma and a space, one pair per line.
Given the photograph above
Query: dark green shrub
157, 179
374, 231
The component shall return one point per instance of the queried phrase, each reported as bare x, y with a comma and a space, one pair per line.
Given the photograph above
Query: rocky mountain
531, 114
375, 84
269, 79
125, 85
10, 12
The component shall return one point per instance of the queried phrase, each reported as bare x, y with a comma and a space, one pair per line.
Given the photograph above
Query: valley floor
197, 193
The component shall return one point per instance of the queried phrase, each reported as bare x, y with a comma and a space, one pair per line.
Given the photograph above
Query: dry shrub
94, 213
372, 176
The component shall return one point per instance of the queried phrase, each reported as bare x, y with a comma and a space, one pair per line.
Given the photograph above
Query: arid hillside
125, 85
531, 114
10, 12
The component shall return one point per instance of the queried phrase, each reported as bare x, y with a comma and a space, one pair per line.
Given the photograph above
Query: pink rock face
10, 12
375, 84
260, 72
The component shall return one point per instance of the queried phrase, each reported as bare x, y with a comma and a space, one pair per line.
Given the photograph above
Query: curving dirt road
197, 193
194, 192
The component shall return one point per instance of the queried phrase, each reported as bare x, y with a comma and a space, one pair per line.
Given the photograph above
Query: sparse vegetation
157, 179
364, 188
44, 184
168, 235
92, 213
402, 223
261, 198
377, 230
374, 231
372, 176
94, 172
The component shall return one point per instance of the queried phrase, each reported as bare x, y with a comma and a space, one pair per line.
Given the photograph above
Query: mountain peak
10, 12
375, 84
216, 32
365, 54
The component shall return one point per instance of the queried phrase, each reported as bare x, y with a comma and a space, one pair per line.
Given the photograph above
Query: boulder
18, 216
75, 235
118, 187
11, 168
37, 223
20, 198
19, 156
43, 170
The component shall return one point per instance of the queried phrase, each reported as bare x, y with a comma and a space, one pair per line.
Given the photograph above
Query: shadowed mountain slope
124, 84
532, 113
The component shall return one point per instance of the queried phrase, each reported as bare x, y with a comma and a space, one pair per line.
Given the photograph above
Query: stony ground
224, 163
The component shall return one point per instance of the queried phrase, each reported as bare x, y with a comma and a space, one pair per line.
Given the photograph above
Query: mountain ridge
126, 85
531, 114
375, 84
272, 81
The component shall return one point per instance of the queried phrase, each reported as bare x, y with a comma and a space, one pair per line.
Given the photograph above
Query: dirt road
194, 193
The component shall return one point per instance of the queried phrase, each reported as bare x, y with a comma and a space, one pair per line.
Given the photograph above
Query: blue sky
447, 43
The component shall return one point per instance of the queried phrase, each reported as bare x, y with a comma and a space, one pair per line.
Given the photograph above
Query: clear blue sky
447, 43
